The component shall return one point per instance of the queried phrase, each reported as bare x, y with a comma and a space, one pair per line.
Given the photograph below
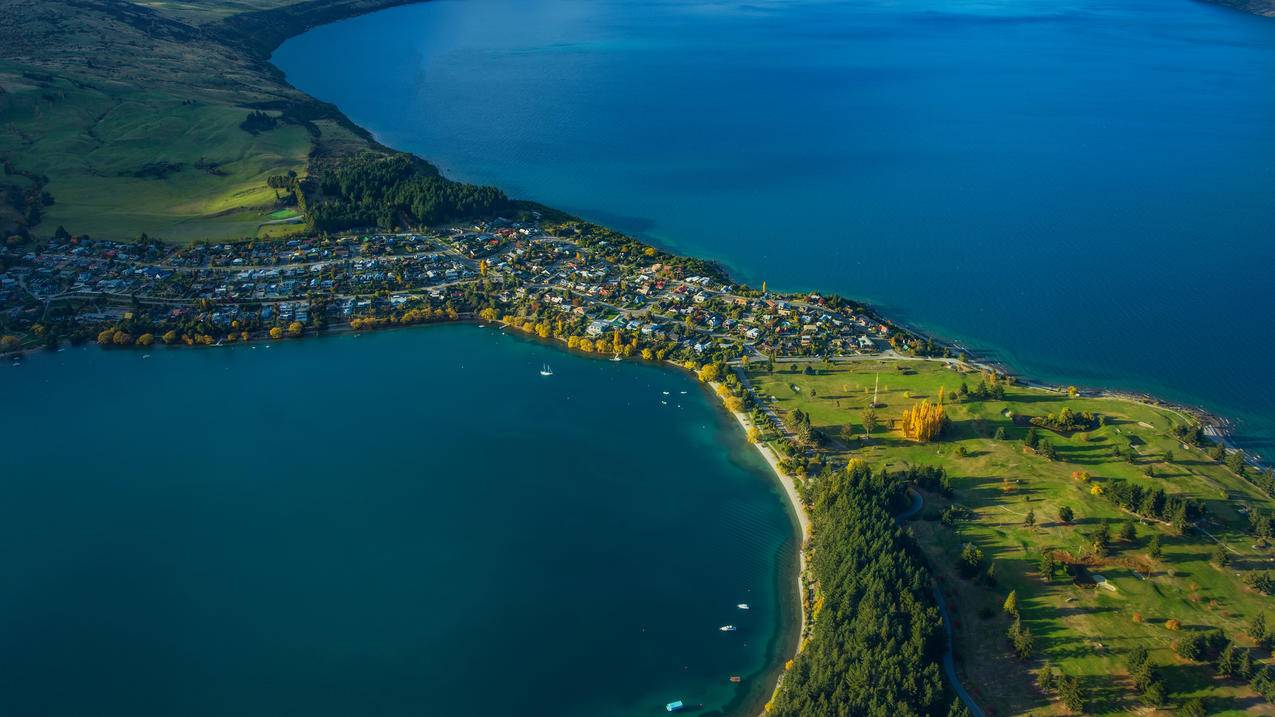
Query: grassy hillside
131, 114
1082, 626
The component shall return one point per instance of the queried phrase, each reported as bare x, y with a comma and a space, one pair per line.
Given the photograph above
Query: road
949, 659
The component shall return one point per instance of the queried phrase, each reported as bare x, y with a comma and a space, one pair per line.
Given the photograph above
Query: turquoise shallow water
1081, 188
407, 523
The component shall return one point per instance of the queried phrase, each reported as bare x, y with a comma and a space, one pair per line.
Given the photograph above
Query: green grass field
1084, 630
90, 142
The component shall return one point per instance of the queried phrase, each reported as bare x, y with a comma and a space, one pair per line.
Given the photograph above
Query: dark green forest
878, 636
396, 191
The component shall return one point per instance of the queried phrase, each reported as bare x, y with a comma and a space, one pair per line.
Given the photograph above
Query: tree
1257, 628
1220, 557
1030, 519
1000, 433
1128, 533
1153, 695
1046, 679
1226, 660
708, 372
295, 328
1021, 639
958, 709
753, 434
924, 421
1047, 566
276, 332
1153, 548
1065, 514
1011, 603
1193, 707
1243, 665
870, 421
1235, 461
1070, 693
1031, 440
971, 560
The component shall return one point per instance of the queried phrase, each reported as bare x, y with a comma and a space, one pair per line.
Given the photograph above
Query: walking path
949, 660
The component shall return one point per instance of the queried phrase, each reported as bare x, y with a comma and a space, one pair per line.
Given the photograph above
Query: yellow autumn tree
708, 372
924, 421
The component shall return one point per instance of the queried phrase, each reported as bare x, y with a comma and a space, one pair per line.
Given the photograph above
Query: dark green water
407, 523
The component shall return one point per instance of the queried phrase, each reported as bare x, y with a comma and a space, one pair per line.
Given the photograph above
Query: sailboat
546, 371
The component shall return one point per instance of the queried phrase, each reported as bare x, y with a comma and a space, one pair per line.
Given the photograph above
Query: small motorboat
727, 628
546, 371
674, 706
736, 679
743, 606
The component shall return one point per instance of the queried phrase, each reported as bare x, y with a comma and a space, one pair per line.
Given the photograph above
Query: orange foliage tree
924, 421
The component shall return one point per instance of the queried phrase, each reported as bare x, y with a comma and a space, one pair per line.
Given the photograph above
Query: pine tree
1011, 603
1220, 557
1226, 660
1047, 567
1021, 639
1070, 693
1046, 680
1128, 533
1257, 628
1243, 665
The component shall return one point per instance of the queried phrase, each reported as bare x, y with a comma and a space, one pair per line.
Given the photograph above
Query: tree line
877, 636
396, 190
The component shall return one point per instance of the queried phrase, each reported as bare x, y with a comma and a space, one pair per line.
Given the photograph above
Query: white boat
546, 371
727, 628
666, 393
743, 606
674, 706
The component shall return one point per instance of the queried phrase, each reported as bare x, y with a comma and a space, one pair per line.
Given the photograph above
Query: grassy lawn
1082, 629
93, 142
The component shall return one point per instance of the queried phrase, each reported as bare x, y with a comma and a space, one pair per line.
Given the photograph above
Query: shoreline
300, 19
797, 509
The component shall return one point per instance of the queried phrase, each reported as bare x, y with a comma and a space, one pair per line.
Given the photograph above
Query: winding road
949, 661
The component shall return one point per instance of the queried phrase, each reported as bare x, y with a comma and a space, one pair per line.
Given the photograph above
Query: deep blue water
1082, 188
407, 523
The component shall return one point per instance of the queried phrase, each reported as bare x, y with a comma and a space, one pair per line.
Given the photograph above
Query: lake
1080, 189
408, 523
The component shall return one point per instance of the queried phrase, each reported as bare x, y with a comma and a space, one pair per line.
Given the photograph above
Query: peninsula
1097, 552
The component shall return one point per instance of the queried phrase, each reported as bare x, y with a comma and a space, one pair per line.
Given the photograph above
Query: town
590, 287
